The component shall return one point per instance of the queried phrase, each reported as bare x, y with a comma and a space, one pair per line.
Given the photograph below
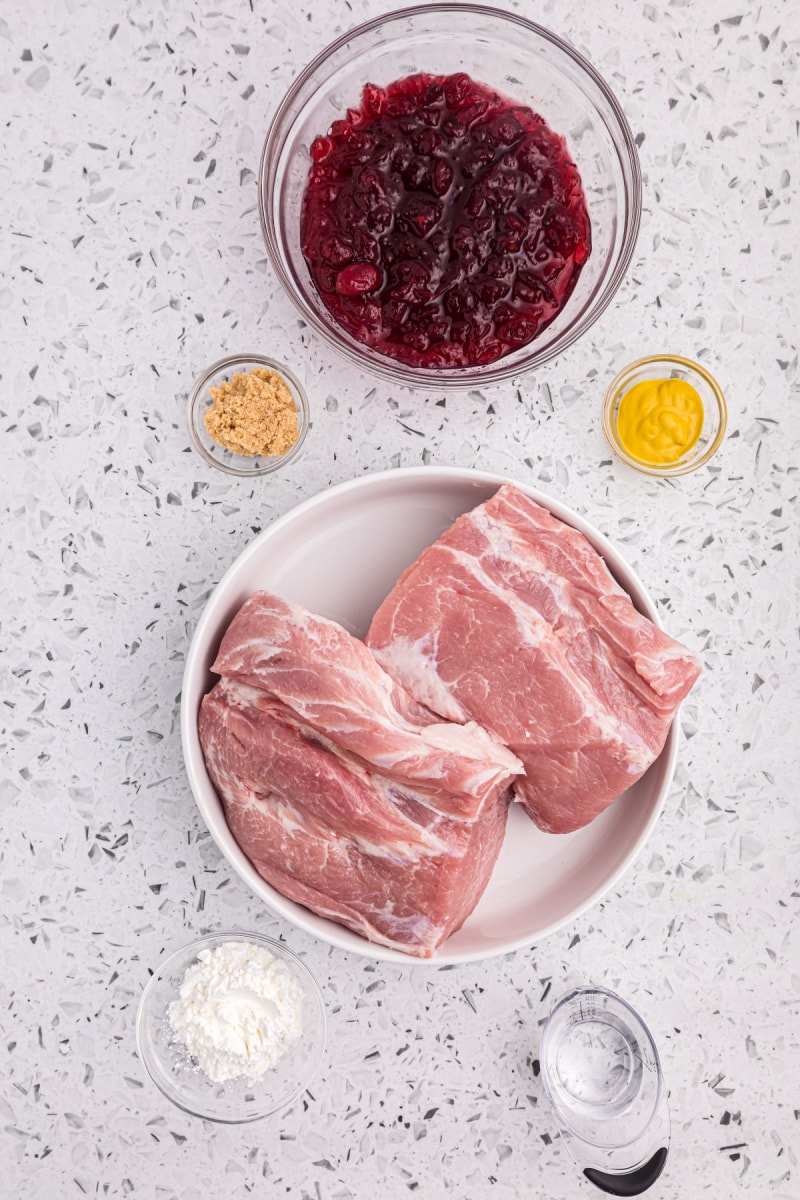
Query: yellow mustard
658, 420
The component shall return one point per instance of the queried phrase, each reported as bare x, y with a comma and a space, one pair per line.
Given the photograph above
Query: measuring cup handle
635, 1183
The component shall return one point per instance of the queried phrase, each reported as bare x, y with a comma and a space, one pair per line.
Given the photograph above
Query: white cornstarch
239, 1009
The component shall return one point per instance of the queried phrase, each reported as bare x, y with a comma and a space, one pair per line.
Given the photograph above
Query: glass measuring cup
602, 1075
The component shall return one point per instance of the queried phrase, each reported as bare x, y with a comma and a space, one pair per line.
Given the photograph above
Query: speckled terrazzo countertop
131, 257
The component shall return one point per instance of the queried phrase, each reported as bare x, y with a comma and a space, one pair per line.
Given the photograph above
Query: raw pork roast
512, 619
345, 794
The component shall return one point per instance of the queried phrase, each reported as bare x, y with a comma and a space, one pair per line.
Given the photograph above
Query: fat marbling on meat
345, 794
512, 619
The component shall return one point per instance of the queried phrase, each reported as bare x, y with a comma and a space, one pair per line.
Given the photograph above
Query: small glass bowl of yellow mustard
664, 415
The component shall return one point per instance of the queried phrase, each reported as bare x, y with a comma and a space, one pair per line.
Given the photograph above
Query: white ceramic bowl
339, 553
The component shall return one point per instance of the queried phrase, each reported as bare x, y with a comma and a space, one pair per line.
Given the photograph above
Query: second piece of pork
512, 619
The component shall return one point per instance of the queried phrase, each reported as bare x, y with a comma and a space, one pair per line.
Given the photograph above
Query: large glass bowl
523, 62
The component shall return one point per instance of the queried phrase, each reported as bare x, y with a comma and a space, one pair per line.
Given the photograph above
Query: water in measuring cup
597, 1064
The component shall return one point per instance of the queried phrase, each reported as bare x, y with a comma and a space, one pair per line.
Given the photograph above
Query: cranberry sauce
443, 225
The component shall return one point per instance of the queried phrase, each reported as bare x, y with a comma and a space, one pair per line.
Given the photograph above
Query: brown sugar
254, 413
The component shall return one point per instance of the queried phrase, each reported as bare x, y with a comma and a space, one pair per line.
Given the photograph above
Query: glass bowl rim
681, 467
452, 377
169, 962
242, 359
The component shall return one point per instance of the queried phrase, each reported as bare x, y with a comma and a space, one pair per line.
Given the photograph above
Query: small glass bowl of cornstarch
232, 1027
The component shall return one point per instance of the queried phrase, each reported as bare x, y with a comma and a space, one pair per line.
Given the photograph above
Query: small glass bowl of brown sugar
247, 415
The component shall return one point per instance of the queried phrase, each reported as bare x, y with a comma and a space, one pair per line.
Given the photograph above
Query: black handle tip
635, 1183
